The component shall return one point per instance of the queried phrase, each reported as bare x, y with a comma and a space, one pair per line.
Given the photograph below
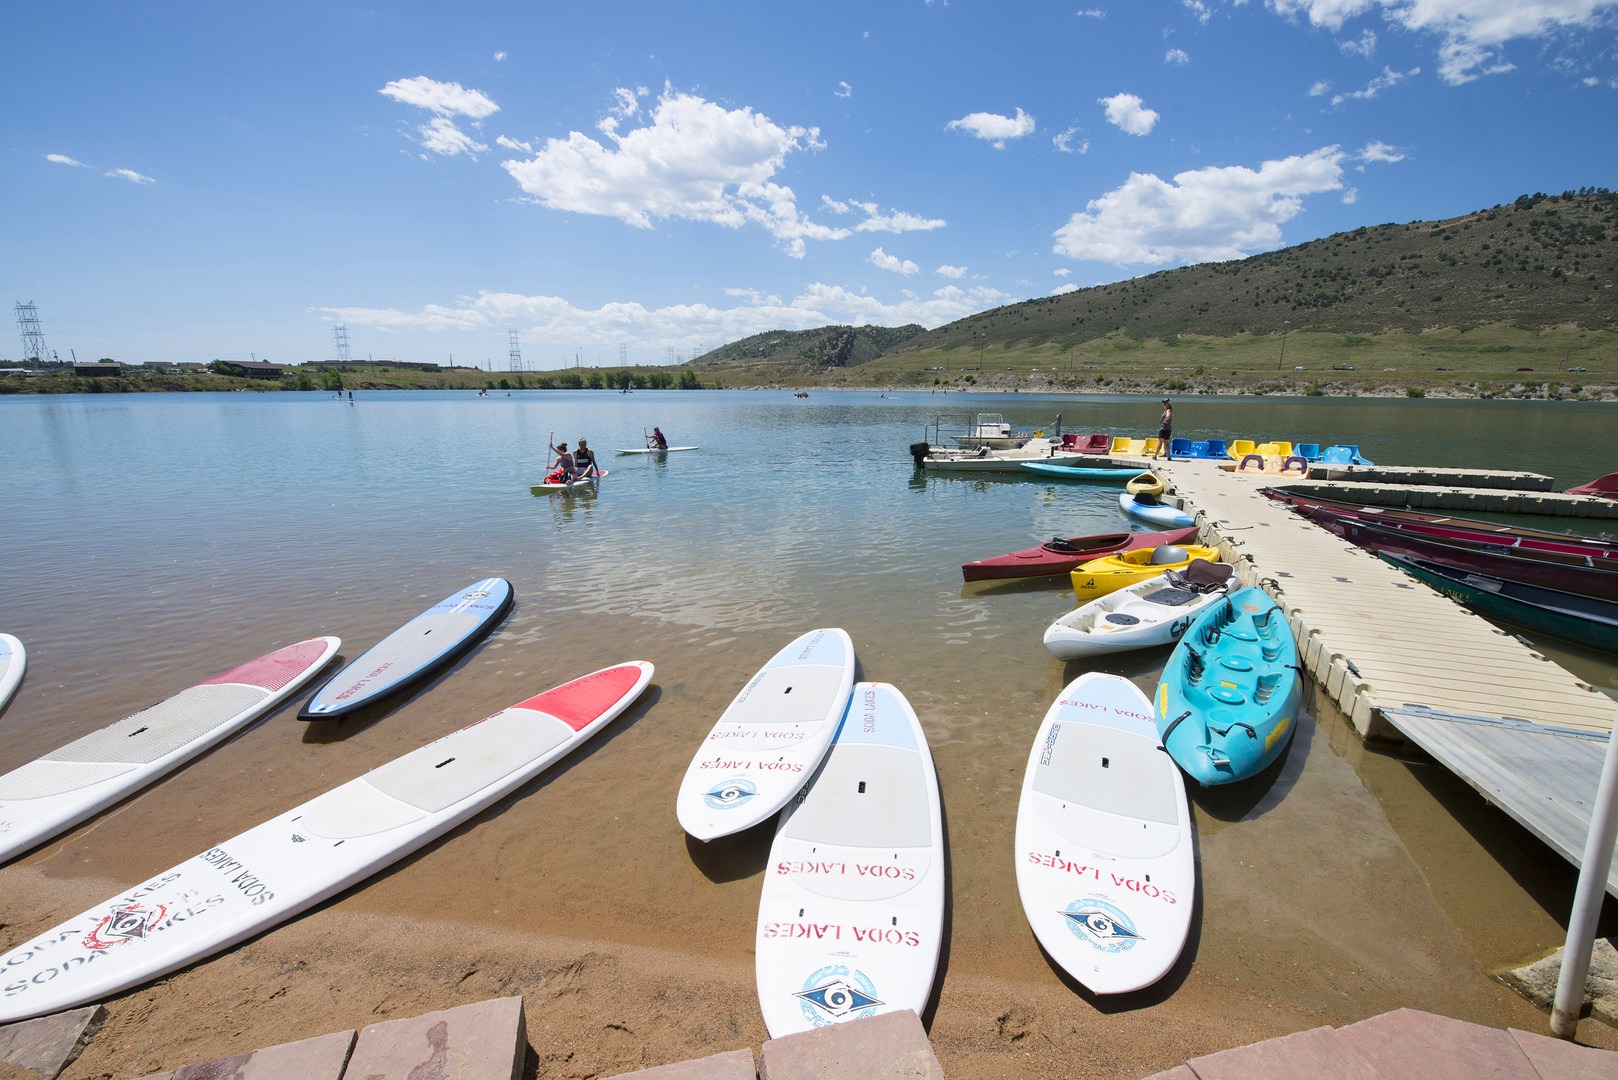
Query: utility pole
340, 339
33, 338
516, 352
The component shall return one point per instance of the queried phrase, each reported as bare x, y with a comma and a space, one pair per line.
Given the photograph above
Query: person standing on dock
1165, 430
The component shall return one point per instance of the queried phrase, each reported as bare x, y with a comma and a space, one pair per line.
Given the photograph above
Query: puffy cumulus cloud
1377, 151
1200, 216
1064, 142
441, 134
946, 270
994, 128
443, 99
1129, 113
552, 322
63, 159
1063, 289
883, 261
691, 159
1471, 34
1176, 58
131, 175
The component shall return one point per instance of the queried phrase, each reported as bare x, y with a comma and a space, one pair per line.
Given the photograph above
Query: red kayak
1605, 487
1060, 555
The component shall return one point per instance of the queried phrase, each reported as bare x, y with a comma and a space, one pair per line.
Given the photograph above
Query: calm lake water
153, 540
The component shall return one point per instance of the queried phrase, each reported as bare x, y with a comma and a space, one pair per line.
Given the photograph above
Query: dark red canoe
1605, 487
1061, 555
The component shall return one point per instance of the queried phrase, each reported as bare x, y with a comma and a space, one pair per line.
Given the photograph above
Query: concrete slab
889, 1046
731, 1065
321, 1058
46, 1045
484, 1041
1557, 1059
1318, 1052
1537, 981
1179, 1072
1409, 1042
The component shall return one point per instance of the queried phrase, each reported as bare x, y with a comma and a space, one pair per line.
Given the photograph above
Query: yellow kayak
1099, 577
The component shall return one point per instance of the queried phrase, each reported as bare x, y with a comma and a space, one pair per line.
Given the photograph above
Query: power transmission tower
516, 352
33, 338
340, 334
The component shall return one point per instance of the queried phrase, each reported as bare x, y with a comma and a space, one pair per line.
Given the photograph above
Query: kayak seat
1202, 576
1170, 597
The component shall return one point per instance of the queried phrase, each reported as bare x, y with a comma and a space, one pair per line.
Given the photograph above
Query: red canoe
1060, 555
1605, 487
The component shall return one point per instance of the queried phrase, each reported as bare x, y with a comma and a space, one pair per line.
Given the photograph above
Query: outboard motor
918, 452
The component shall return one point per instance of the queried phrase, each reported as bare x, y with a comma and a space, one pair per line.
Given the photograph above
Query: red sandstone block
1317, 1053
889, 1046
1179, 1072
485, 1041
1555, 1059
320, 1058
731, 1065
48, 1044
1408, 1042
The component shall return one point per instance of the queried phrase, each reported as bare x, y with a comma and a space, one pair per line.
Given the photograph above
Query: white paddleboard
13, 660
53, 793
1105, 862
414, 652
571, 485
657, 450
245, 885
767, 743
851, 917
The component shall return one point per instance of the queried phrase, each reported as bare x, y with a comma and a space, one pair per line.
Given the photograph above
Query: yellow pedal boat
1099, 577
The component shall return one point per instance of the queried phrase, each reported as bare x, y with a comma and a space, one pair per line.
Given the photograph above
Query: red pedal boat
1060, 555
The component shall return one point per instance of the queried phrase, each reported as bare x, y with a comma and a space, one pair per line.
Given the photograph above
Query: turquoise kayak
1079, 472
1231, 690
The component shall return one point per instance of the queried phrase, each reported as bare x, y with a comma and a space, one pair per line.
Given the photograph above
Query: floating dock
1404, 662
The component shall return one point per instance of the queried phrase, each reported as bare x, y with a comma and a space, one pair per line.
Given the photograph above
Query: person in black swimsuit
584, 460
1165, 429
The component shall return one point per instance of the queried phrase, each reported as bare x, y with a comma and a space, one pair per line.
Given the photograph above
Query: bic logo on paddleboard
1102, 925
128, 923
730, 794
835, 993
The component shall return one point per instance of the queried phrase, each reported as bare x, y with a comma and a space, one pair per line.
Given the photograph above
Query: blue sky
189, 180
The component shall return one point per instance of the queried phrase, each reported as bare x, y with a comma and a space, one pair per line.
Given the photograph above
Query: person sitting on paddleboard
584, 460
658, 441
1165, 428
564, 473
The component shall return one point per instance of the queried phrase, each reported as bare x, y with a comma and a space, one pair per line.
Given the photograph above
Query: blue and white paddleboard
767, 744
414, 652
266, 875
1105, 861
13, 660
851, 916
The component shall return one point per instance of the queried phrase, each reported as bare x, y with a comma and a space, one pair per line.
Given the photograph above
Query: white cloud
499, 56
131, 175
1200, 10
1064, 141
843, 90
514, 144
1177, 57
63, 159
1091, 13
443, 99
1064, 288
1202, 215
994, 128
883, 261
1377, 151
1129, 113
946, 270
441, 136
1063, 272
1388, 79
1472, 34
1320, 89
893, 221
1364, 45
693, 159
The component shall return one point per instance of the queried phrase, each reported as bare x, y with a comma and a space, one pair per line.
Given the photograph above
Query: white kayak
1154, 611
656, 449
51, 794
1151, 508
13, 662
1104, 853
245, 885
851, 916
767, 743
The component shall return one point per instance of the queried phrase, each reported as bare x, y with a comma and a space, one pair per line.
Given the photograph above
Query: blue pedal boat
1231, 690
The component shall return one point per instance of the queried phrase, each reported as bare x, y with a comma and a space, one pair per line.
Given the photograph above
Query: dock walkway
1403, 661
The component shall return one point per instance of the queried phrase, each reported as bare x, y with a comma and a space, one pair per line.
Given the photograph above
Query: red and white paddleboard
51, 794
244, 885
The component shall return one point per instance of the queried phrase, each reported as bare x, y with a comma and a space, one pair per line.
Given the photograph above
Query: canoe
1604, 487
1521, 540
1584, 620
1230, 694
1150, 508
1075, 472
1153, 611
1598, 578
1098, 577
1059, 555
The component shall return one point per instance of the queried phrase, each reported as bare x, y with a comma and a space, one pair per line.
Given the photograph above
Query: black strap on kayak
1174, 724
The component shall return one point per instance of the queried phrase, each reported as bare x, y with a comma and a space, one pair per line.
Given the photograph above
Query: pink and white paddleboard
53, 793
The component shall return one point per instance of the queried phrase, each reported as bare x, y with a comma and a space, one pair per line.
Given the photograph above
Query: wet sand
1345, 883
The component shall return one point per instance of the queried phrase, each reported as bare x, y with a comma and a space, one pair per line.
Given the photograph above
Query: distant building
252, 369
99, 370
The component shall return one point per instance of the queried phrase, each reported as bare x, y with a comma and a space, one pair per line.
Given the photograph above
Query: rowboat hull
1059, 556
1584, 620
